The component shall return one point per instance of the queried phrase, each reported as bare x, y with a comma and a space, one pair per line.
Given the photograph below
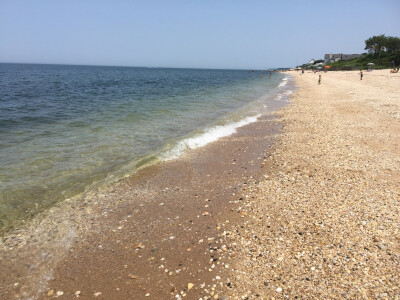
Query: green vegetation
383, 50
382, 43
382, 61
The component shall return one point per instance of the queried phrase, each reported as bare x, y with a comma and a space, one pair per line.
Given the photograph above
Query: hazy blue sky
206, 34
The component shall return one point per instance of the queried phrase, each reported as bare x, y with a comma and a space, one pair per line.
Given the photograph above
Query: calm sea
65, 129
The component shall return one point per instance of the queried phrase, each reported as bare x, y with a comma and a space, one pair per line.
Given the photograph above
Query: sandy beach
325, 222
311, 212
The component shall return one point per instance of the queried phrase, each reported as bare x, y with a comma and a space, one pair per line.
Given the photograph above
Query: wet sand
315, 216
154, 235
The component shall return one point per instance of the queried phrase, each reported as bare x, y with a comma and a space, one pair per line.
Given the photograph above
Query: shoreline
310, 212
20, 215
152, 201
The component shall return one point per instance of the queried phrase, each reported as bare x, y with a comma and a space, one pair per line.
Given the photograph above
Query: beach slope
325, 222
312, 212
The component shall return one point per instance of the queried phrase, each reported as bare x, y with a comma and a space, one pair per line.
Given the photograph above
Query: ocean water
67, 129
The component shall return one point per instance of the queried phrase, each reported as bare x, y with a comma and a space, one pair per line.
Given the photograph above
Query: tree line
384, 52
378, 44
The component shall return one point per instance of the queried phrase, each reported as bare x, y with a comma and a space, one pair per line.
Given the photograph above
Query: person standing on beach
270, 74
361, 74
319, 79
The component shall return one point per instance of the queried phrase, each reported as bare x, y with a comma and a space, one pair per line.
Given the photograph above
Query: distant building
312, 61
373, 50
331, 58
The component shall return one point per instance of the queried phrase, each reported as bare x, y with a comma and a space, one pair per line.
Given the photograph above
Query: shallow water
64, 129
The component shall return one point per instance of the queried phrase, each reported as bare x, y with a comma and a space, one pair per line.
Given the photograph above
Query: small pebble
382, 247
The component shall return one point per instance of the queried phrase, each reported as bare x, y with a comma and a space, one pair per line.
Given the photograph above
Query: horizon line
145, 67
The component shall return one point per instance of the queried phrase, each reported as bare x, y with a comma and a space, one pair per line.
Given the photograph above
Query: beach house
331, 58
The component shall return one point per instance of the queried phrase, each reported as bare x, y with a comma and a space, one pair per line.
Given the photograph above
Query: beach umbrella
328, 67
319, 67
370, 64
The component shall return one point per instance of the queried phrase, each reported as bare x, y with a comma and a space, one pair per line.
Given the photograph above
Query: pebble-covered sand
311, 213
325, 223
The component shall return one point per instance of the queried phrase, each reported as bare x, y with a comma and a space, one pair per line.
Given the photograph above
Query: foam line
208, 136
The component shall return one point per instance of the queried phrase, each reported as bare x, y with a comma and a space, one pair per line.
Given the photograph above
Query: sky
223, 34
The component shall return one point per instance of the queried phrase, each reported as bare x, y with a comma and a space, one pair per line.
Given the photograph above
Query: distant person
302, 71
319, 79
270, 74
361, 74
262, 75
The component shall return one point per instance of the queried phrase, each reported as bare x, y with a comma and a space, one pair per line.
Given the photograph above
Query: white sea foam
283, 83
208, 136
